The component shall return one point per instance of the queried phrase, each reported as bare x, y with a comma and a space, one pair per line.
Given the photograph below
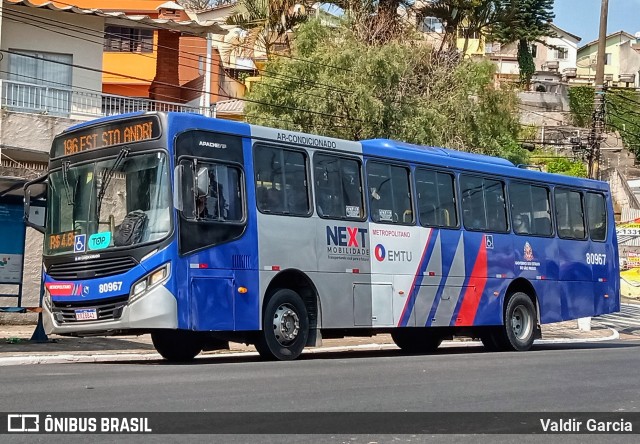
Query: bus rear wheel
176, 345
416, 340
285, 327
519, 324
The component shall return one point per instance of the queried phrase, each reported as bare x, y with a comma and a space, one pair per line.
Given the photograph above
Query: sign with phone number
628, 231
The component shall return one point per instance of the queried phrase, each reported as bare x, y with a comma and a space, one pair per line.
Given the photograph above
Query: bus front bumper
157, 308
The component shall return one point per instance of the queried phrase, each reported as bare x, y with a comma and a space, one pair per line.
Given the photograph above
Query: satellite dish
637, 35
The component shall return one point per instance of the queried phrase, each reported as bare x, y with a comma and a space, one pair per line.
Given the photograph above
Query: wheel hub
286, 324
521, 323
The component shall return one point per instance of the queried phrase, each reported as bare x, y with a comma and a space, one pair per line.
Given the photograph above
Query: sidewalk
15, 344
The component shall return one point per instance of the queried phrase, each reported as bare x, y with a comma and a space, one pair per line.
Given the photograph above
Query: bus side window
569, 214
338, 187
389, 193
530, 209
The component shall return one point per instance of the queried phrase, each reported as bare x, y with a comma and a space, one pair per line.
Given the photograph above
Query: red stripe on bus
474, 291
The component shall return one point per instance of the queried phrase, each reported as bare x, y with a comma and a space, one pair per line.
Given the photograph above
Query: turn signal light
242, 290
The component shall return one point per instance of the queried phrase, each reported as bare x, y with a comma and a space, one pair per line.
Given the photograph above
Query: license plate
86, 314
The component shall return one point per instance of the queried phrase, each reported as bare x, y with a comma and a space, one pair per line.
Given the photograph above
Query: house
142, 58
622, 61
556, 54
131, 52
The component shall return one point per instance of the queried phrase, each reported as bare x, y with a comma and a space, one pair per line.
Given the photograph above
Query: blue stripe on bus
419, 276
447, 263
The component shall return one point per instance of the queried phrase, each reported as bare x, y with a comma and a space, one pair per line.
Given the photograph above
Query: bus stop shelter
12, 243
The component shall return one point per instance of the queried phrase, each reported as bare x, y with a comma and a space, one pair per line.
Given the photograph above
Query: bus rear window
597, 216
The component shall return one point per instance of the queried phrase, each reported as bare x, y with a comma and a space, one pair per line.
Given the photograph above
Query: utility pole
598, 106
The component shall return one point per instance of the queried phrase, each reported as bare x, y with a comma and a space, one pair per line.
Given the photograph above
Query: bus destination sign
106, 135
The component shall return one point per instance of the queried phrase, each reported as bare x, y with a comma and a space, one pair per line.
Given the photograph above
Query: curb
119, 357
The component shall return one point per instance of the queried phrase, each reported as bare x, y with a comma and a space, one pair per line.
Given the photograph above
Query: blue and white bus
202, 231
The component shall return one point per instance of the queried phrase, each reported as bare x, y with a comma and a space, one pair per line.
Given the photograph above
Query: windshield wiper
65, 181
106, 178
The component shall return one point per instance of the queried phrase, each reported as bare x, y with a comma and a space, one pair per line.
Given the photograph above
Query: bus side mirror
178, 189
35, 201
202, 182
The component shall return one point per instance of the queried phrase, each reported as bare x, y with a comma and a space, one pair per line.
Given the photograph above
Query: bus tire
285, 327
176, 345
416, 340
519, 323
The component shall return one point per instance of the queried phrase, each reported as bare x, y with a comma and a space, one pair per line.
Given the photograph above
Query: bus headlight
151, 280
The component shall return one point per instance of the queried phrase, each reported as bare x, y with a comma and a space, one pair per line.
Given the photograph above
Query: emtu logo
381, 254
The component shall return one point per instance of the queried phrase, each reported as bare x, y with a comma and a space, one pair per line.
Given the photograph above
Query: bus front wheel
285, 327
176, 345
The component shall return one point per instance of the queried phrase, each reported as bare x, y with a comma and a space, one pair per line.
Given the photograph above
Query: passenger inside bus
520, 224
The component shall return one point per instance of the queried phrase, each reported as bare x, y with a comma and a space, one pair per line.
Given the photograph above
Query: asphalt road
589, 377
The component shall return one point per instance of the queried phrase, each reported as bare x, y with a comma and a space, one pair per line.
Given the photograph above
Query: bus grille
107, 309
69, 271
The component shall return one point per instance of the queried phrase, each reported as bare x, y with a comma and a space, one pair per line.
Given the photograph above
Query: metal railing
42, 99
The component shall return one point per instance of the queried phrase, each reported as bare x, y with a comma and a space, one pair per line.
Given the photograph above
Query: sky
582, 17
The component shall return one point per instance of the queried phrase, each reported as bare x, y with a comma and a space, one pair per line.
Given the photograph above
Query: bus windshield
108, 203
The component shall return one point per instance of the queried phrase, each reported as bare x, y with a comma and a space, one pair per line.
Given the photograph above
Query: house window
562, 53
201, 62
467, 33
429, 24
49, 79
122, 39
607, 58
534, 51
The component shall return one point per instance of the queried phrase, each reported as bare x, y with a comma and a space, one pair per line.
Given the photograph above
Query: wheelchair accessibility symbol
79, 243
488, 241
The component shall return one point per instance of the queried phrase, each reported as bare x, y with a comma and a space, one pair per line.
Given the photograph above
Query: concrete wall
31, 131
547, 101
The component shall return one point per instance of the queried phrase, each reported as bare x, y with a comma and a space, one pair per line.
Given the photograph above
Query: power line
622, 96
184, 87
100, 92
101, 35
275, 54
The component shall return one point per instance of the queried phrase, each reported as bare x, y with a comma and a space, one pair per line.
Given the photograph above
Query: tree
453, 14
340, 86
524, 22
267, 21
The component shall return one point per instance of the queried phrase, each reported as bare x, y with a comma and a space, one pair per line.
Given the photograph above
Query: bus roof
402, 151
448, 158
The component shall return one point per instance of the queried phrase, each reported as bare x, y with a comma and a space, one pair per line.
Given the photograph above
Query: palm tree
267, 21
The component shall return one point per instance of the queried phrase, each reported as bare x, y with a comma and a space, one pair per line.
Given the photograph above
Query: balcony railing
32, 98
